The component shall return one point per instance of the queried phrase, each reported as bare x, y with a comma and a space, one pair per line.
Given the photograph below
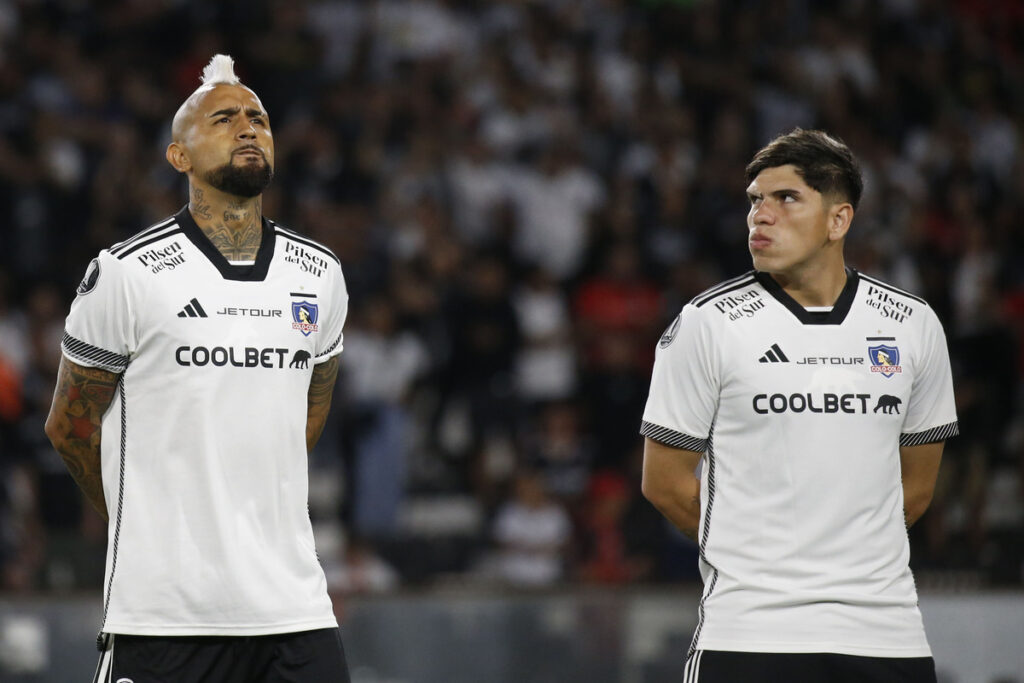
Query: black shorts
717, 666
303, 657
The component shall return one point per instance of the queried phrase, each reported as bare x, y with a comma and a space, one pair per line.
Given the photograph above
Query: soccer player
198, 363
816, 401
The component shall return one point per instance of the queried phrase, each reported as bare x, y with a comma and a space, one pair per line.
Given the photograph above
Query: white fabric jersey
800, 417
204, 446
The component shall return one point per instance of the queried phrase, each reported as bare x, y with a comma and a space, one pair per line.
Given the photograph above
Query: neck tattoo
236, 230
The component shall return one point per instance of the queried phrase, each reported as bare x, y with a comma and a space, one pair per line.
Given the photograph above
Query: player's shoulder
131, 258
875, 287
114, 263
739, 287
899, 305
145, 238
726, 294
302, 246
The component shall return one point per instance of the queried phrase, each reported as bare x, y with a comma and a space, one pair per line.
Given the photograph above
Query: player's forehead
776, 178
224, 96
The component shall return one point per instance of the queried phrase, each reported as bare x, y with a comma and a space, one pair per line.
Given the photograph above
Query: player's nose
761, 214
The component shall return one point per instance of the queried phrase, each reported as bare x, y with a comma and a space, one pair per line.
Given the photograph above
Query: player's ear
840, 217
178, 158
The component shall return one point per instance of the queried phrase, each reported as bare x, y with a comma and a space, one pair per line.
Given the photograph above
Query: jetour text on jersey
247, 357
822, 403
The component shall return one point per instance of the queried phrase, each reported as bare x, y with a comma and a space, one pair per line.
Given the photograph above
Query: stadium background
522, 195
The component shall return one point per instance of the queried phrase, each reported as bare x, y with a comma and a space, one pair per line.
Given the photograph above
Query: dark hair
823, 161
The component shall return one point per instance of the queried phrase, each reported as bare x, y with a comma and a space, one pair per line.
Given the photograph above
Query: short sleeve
931, 413
331, 337
685, 385
98, 331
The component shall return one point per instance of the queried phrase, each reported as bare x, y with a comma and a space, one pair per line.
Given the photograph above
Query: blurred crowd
522, 194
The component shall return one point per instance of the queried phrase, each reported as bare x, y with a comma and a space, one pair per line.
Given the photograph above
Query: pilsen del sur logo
167, 257
305, 314
885, 358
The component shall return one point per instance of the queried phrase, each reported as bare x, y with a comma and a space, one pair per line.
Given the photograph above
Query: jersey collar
257, 272
834, 317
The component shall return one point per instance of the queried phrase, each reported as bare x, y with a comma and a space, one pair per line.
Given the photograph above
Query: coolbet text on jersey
803, 546
185, 470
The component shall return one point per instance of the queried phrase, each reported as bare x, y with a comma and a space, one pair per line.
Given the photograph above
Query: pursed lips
255, 151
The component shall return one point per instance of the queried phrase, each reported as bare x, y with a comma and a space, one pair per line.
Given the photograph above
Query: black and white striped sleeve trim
930, 436
670, 437
326, 352
92, 356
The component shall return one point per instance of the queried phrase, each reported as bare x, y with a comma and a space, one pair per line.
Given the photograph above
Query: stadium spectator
532, 533
380, 367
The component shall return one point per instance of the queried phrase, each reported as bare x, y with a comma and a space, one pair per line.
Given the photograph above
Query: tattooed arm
82, 396
321, 386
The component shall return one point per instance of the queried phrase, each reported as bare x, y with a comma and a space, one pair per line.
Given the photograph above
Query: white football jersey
204, 446
800, 416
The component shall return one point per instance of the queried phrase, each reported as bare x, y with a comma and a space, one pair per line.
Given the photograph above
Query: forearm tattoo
79, 403
321, 387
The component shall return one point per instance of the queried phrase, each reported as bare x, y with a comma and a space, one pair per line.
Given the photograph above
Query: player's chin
774, 265
763, 261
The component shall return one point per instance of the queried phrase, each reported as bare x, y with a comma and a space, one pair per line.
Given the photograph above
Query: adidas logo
193, 310
772, 355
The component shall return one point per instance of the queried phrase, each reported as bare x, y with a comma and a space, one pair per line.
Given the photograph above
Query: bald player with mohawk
185, 409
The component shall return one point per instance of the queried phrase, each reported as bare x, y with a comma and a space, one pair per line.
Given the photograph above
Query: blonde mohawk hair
221, 69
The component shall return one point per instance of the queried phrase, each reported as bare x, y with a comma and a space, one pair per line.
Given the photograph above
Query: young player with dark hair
794, 429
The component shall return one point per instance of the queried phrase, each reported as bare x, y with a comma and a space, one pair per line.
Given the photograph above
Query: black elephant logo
887, 404
300, 360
